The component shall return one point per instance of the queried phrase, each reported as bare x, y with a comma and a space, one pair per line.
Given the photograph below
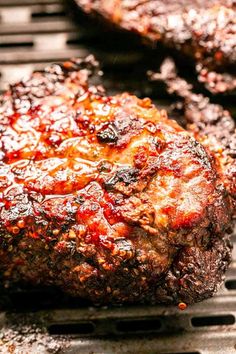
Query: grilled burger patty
105, 197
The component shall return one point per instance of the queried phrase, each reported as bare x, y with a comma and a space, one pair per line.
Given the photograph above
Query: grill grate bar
15, 3
205, 343
44, 26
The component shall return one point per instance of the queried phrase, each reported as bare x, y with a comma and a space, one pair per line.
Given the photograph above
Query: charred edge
125, 175
80, 200
108, 135
200, 152
196, 273
89, 63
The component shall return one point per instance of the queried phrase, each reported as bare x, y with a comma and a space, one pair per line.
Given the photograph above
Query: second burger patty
203, 30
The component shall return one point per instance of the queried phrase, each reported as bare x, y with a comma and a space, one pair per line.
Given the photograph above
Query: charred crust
102, 238
125, 175
26, 92
108, 135
89, 63
105, 166
80, 199
200, 152
196, 273
210, 123
122, 129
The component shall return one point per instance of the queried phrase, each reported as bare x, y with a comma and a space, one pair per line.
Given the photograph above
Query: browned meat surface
204, 30
105, 197
210, 123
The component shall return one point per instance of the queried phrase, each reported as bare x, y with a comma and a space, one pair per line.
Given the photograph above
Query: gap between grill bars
32, 34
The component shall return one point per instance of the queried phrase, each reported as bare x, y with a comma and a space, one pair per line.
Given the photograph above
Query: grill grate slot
230, 284
77, 328
16, 44
213, 321
40, 15
138, 325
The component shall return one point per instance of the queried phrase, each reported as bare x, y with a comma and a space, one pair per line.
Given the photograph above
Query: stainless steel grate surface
33, 33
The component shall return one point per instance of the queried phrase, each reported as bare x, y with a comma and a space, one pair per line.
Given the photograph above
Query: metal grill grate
31, 35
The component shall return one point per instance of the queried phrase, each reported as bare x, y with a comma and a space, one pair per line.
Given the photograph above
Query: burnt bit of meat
120, 130
108, 134
112, 220
126, 176
202, 30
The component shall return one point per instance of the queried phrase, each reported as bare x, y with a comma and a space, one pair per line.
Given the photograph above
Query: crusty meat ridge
203, 30
209, 122
105, 197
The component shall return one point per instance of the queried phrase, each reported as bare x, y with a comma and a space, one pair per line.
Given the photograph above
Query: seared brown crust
204, 30
106, 197
185, 282
210, 123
